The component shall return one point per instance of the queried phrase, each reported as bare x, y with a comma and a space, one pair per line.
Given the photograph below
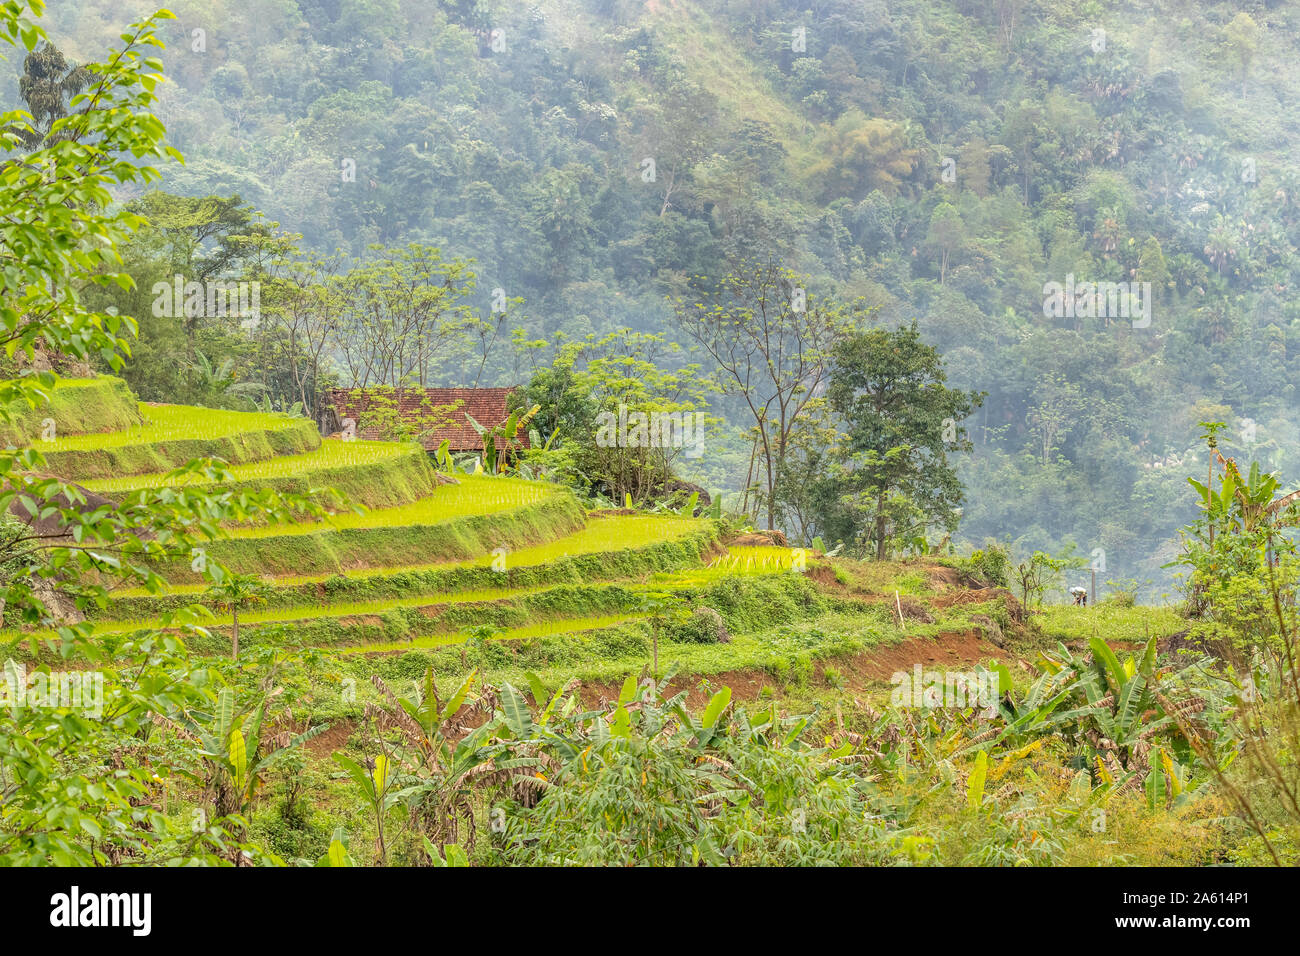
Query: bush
989, 565
704, 626
1123, 593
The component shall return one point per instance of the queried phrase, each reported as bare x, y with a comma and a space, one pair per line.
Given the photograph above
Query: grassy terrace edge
336, 550
77, 406
381, 477
260, 437
673, 555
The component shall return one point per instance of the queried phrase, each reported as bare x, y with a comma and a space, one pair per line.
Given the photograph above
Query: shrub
703, 626
990, 565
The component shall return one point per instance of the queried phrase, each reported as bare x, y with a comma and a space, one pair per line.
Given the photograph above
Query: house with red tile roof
430, 415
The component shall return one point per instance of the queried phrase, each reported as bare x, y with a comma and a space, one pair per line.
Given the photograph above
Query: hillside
648, 433
419, 564
945, 162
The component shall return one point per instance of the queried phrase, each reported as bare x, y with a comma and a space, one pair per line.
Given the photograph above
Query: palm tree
46, 86
219, 380
1221, 246
235, 591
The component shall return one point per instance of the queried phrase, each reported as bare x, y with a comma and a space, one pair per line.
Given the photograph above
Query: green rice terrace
488, 572
417, 570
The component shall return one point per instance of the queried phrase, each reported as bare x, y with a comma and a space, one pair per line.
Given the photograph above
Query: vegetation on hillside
717, 611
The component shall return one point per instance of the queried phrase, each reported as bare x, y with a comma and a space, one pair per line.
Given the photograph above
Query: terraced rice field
332, 454
548, 628
603, 533
474, 495
300, 612
418, 570
166, 423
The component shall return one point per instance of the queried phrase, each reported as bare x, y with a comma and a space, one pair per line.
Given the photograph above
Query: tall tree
900, 421
771, 339
47, 85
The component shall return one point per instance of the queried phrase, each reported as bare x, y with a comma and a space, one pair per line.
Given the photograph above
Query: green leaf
225, 710
1155, 782
717, 704
622, 725
540, 696
379, 777
455, 855
975, 785
628, 693
358, 774
515, 708
1113, 670
337, 855
458, 698
238, 759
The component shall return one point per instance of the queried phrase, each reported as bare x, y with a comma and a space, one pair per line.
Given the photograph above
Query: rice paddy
758, 558
299, 612
546, 628
164, 423
376, 613
474, 495
332, 454
604, 533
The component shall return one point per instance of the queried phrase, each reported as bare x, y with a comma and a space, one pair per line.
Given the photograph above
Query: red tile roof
439, 412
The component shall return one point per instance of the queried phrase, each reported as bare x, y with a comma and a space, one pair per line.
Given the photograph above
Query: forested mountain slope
945, 161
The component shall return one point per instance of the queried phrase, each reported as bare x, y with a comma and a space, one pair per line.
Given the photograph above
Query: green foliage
1040, 572
372, 474
892, 478
990, 564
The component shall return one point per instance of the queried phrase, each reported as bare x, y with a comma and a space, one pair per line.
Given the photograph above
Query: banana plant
374, 781
337, 854
236, 754
709, 725
433, 774
444, 458
500, 439
452, 854
1128, 716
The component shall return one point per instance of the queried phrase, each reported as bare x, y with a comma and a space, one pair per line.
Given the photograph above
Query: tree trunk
234, 642
880, 527
655, 631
